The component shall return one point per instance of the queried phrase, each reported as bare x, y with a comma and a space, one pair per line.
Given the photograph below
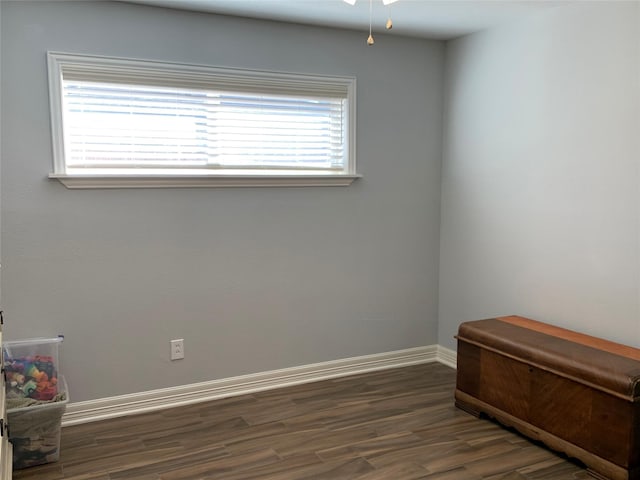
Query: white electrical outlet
177, 349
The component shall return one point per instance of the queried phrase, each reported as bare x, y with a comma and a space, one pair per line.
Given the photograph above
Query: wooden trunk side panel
494, 379
506, 384
561, 407
585, 417
468, 368
612, 429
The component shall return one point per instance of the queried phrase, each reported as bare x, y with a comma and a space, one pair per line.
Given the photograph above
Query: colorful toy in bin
31, 372
33, 377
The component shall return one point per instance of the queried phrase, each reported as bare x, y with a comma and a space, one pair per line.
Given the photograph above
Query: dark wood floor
396, 424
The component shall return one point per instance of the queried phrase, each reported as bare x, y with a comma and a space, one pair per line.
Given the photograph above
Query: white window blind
130, 117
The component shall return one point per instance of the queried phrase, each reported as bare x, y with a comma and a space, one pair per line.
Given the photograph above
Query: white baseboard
446, 356
143, 402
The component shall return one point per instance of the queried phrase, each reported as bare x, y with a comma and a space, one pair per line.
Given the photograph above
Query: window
131, 123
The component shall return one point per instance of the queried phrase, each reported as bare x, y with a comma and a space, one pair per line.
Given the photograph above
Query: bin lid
33, 341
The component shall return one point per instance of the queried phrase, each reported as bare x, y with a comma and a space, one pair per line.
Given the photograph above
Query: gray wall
253, 279
540, 188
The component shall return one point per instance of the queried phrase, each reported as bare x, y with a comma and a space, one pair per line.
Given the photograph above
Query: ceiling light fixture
389, 24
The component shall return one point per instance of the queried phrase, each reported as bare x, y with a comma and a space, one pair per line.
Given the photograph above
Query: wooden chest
578, 394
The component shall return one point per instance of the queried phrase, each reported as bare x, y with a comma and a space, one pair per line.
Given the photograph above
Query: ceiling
436, 19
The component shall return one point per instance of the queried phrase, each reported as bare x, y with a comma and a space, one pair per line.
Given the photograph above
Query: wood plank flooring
397, 424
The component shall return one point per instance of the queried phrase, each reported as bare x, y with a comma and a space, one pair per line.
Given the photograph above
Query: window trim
191, 181
192, 74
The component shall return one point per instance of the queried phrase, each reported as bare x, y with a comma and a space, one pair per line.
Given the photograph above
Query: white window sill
198, 181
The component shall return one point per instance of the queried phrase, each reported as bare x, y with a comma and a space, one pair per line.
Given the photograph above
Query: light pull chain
370, 40
389, 24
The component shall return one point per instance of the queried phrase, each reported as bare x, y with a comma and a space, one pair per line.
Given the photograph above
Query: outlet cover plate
177, 349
